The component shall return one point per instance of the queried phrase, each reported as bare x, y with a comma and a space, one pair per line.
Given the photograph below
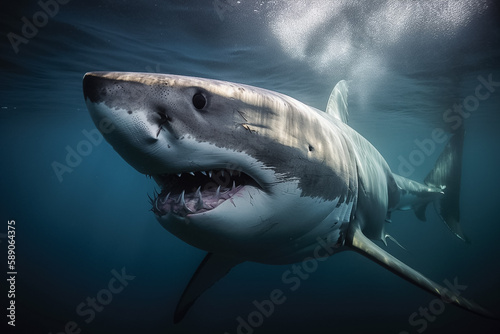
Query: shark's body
252, 175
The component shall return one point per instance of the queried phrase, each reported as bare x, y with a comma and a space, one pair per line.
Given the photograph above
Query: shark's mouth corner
193, 192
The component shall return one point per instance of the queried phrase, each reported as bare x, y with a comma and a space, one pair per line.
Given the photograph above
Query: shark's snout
93, 84
130, 108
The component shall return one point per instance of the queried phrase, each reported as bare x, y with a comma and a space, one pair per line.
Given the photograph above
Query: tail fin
446, 175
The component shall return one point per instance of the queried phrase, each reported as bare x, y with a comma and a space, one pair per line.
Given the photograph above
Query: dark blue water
407, 64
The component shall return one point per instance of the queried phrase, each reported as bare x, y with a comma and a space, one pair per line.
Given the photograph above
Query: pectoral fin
211, 269
361, 244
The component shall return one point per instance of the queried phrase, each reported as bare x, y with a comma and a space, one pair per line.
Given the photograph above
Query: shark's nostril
164, 119
162, 112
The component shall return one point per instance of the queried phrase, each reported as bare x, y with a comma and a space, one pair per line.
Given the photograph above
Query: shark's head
242, 170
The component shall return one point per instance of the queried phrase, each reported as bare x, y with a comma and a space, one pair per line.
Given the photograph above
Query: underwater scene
370, 206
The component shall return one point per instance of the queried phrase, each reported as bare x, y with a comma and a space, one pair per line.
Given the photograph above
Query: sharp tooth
230, 172
179, 175
210, 173
163, 201
222, 172
204, 173
180, 199
234, 185
191, 173
217, 193
183, 202
199, 205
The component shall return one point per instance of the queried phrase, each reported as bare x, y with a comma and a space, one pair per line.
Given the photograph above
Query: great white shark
249, 174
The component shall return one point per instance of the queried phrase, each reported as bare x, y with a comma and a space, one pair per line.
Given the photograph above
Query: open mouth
197, 191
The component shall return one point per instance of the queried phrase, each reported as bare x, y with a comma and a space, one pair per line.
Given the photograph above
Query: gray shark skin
249, 174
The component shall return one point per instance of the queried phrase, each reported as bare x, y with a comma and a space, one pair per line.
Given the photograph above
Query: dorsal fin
337, 103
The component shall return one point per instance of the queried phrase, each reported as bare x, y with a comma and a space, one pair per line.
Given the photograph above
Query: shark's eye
199, 101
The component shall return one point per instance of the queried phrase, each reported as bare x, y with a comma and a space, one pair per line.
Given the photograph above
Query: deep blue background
406, 62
